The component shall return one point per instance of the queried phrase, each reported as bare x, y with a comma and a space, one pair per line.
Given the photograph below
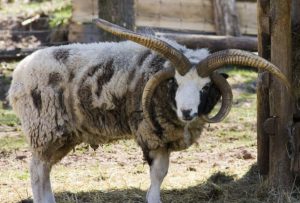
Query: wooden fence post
277, 134
117, 12
295, 165
263, 108
281, 106
226, 18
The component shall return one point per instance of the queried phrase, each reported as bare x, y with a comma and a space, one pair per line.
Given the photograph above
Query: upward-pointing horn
241, 58
179, 61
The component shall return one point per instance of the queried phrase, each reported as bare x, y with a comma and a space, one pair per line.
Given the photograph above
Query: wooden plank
213, 43
247, 17
263, 108
84, 11
226, 18
192, 15
174, 14
280, 176
85, 33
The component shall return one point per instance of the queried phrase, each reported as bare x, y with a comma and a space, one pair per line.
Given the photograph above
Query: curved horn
180, 62
166, 74
238, 57
226, 94
150, 88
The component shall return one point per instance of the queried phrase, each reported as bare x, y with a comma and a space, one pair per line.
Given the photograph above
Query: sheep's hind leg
158, 170
40, 181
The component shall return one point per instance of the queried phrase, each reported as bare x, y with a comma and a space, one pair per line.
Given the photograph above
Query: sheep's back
86, 92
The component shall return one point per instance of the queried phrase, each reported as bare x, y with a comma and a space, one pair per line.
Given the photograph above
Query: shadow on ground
219, 188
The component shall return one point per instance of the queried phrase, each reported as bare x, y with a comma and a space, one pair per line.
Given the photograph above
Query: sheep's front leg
40, 181
158, 170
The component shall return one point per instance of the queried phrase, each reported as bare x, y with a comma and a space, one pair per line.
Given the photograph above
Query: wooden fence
278, 112
180, 16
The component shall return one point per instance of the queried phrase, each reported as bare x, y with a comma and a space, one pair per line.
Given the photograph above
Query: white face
188, 94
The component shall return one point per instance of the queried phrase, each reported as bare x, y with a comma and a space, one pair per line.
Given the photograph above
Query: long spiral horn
241, 58
179, 61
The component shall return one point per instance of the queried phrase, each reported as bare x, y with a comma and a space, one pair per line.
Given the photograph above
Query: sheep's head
192, 78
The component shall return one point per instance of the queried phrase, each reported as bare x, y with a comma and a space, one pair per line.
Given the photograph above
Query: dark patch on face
61, 55
107, 74
143, 57
172, 89
54, 78
36, 98
71, 76
210, 95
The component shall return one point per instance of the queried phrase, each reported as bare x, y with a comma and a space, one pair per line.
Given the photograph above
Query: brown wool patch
71, 76
143, 57
61, 55
105, 77
36, 98
54, 78
157, 63
61, 99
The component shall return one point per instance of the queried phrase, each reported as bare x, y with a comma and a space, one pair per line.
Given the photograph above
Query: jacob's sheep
98, 93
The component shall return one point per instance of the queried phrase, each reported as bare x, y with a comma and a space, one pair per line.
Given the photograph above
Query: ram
160, 94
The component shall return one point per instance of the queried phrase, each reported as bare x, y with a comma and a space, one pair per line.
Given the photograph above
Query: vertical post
295, 165
118, 12
226, 18
296, 52
281, 107
263, 108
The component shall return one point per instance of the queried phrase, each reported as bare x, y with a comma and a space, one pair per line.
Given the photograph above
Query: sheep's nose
186, 114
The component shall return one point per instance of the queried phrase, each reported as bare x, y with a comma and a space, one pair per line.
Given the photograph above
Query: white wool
42, 124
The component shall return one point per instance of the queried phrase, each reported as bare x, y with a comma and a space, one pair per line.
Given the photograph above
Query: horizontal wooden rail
213, 42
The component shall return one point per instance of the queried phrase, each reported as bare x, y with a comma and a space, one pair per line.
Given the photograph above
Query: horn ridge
242, 58
179, 60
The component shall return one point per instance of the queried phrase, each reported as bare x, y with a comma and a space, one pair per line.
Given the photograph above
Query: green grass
28, 9
11, 143
8, 117
6, 68
61, 16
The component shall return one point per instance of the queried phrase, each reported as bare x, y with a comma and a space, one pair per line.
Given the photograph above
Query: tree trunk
117, 12
226, 18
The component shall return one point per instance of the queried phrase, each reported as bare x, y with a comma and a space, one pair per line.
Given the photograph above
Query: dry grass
221, 168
